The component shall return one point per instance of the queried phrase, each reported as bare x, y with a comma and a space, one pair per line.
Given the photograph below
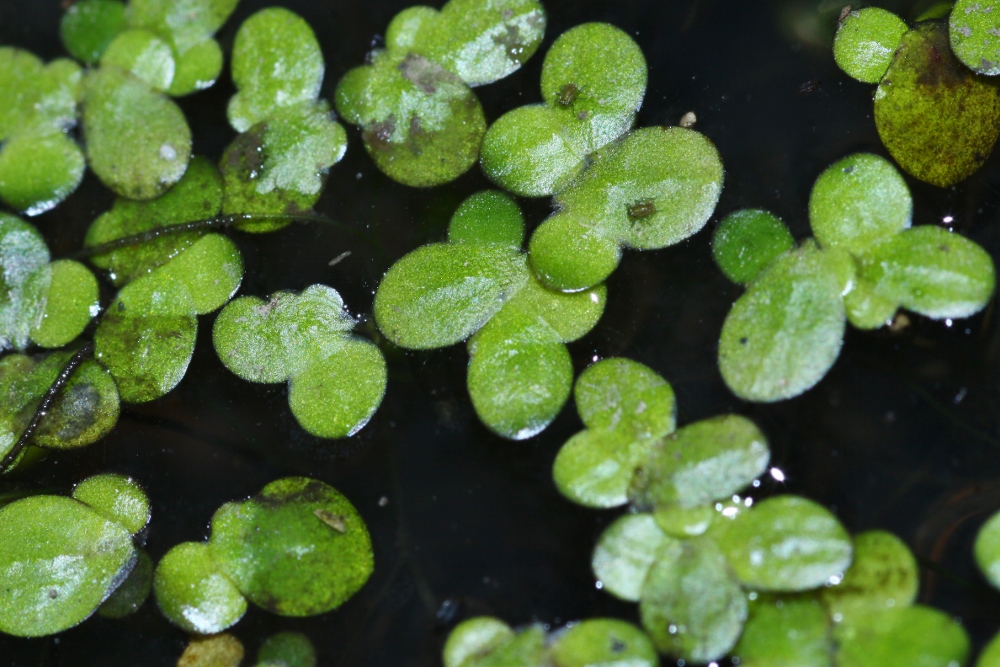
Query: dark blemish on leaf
943, 247
381, 132
583, 115
121, 306
744, 340
568, 95
512, 43
641, 209
617, 645
849, 169
53, 594
335, 521
424, 74
507, 14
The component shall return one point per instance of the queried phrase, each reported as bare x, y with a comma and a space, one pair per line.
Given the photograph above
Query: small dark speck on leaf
617, 645
121, 306
744, 340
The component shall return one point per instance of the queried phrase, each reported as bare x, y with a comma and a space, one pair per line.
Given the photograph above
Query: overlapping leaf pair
937, 119
649, 189
298, 548
785, 332
422, 123
284, 649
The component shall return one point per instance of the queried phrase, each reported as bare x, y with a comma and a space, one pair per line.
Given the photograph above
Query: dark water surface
902, 435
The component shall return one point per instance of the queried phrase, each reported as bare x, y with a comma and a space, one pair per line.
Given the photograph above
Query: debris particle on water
688, 120
339, 258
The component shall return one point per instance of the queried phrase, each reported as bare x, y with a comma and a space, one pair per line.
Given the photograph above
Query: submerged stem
220, 222
45, 405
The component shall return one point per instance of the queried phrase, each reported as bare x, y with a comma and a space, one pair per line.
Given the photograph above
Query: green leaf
133, 592
474, 638
481, 41
866, 42
117, 498
187, 22
197, 196
274, 340
931, 271
138, 141
335, 397
857, 202
143, 55
917, 636
686, 522
84, 412
783, 335
517, 383
546, 316
709, 460
489, 216
219, 650
59, 560
654, 189
146, 337
937, 119
422, 125
595, 467
987, 550
280, 165
624, 394
23, 256
276, 63
990, 656
71, 301
37, 98
39, 170
785, 543
783, 631
567, 252
866, 308
287, 649
747, 241
625, 552
526, 649
606, 642
193, 592
88, 26
974, 32
692, 605
197, 68
440, 294
298, 548
211, 270
883, 575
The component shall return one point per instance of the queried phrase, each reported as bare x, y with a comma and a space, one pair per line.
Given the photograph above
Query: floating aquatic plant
298, 548
937, 119
336, 379
62, 557
785, 332
974, 33
484, 641
649, 189
40, 165
288, 138
284, 649
422, 124
477, 287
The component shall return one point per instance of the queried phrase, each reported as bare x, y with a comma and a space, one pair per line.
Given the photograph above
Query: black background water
902, 435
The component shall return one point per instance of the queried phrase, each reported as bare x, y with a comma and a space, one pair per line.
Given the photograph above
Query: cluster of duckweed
646, 189
938, 118
284, 649
776, 582
477, 286
298, 548
865, 262
422, 123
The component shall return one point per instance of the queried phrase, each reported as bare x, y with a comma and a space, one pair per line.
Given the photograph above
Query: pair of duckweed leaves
937, 119
63, 558
422, 123
785, 332
284, 649
649, 189
477, 287
40, 165
298, 548
336, 380
489, 642
288, 138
